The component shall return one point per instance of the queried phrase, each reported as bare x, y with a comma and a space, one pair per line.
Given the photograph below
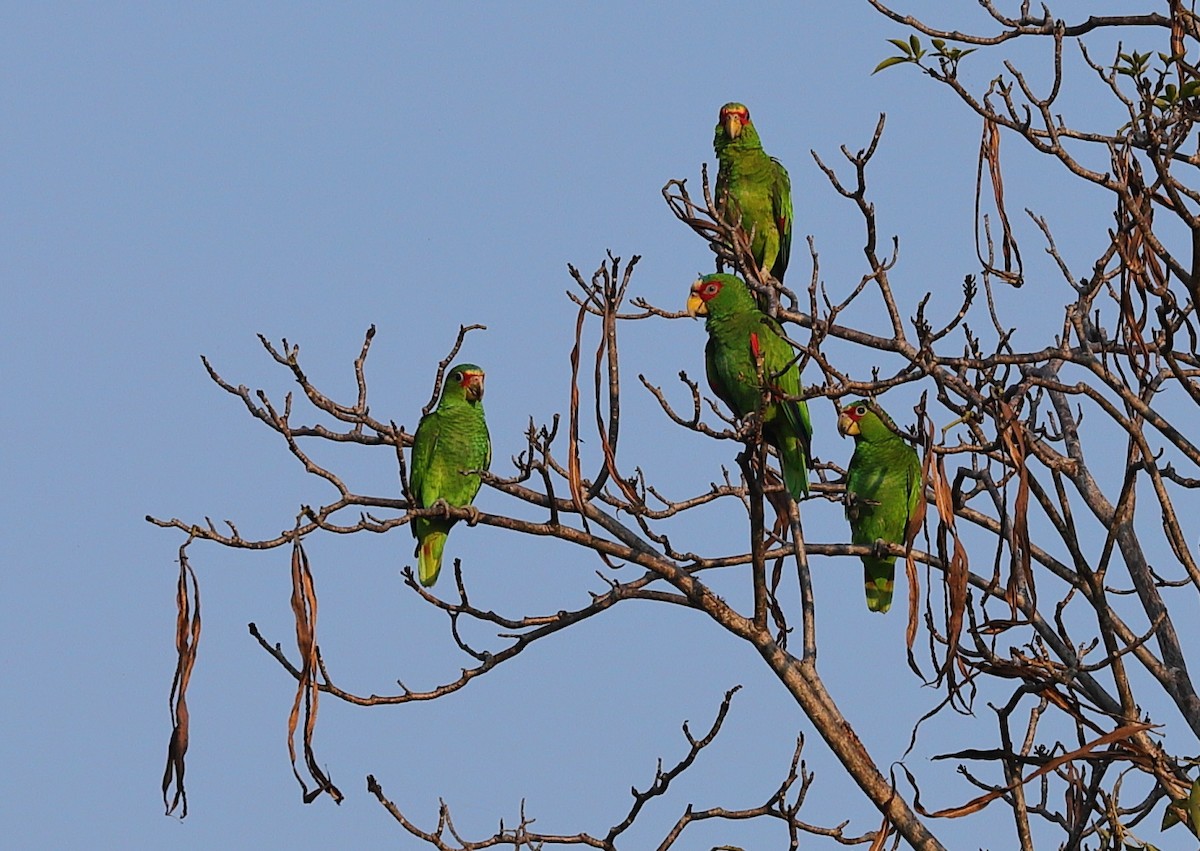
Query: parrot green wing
883, 491
425, 481
781, 206
786, 419
424, 446
783, 368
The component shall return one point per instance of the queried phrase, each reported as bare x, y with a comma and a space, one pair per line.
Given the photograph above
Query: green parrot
450, 441
757, 186
739, 334
883, 491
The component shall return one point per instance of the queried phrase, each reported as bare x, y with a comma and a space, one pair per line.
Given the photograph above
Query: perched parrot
739, 334
757, 186
450, 441
883, 491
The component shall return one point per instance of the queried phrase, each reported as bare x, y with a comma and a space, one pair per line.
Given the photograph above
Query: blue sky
177, 179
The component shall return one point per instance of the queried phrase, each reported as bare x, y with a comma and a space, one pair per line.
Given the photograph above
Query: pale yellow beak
733, 125
696, 306
847, 426
474, 386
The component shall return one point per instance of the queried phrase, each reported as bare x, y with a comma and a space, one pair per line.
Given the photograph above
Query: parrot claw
442, 506
855, 504
473, 513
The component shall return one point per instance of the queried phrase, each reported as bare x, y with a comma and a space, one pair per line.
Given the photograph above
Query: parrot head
465, 382
718, 292
850, 417
861, 420
733, 117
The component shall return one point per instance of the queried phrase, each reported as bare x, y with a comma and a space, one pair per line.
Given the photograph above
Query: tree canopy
1049, 574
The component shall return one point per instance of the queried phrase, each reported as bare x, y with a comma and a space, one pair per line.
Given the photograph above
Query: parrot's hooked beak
847, 425
733, 125
696, 306
473, 385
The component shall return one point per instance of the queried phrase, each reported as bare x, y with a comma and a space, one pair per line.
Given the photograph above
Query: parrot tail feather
795, 467
879, 577
429, 556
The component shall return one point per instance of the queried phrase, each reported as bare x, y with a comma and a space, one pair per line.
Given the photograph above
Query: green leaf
890, 61
954, 54
915, 43
1170, 817
902, 44
1190, 88
939, 44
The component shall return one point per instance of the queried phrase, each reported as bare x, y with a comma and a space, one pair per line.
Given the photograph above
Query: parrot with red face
451, 446
753, 189
747, 354
883, 491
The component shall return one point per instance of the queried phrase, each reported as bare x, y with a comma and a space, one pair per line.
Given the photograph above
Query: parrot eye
458, 377
711, 289
861, 410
